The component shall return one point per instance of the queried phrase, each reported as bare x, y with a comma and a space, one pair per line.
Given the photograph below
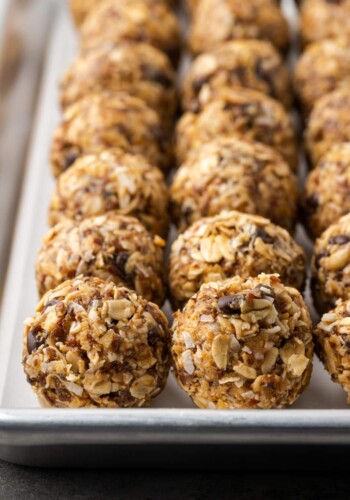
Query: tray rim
44, 427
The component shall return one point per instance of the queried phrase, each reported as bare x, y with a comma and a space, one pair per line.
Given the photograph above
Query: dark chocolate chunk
261, 233
33, 342
121, 259
340, 239
70, 158
231, 304
265, 291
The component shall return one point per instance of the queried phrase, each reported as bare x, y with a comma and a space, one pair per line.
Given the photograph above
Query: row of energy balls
245, 342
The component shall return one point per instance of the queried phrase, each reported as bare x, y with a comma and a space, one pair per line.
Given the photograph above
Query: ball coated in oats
332, 344
112, 181
102, 121
331, 266
216, 21
230, 174
92, 344
140, 70
253, 64
114, 22
323, 67
321, 19
81, 8
329, 123
242, 113
327, 190
232, 244
243, 343
111, 247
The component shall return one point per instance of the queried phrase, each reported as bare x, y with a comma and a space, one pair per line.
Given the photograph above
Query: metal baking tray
172, 433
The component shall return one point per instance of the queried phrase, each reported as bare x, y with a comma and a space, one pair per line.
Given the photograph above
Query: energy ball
232, 244
241, 113
111, 247
327, 190
112, 181
230, 174
140, 70
216, 21
243, 343
102, 121
114, 22
81, 8
253, 64
329, 123
321, 19
323, 67
92, 344
331, 266
332, 344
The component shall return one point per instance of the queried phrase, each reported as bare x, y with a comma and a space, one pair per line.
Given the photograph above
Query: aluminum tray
170, 434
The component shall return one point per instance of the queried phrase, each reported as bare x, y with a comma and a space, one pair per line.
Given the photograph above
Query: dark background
21, 482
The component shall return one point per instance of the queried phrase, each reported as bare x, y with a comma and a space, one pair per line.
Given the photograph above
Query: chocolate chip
154, 74
231, 304
50, 304
70, 158
340, 239
121, 259
312, 201
33, 342
198, 83
152, 337
261, 233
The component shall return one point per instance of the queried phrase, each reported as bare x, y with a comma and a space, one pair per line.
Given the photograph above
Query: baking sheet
20, 418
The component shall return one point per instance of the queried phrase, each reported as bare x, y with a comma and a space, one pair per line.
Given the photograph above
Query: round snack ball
112, 180
332, 341
323, 67
139, 70
81, 8
216, 21
151, 22
329, 123
243, 343
327, 190
111, 247
230, 174
331, 266
321, 19
93, 344
253, 64
101, 121
232, 244
242, 113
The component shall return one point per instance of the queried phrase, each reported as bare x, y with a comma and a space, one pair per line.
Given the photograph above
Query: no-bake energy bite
140, 70
332, 344
321, 19
329, 123
323, 67
243, 343
111, 247
242, 113
151, 22
93, 344
253, 64
216, 21
112, 180
327, 190
101, 121
232, 244
230, 174
331, 265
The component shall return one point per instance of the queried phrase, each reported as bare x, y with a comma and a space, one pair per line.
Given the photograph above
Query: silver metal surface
172, 434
